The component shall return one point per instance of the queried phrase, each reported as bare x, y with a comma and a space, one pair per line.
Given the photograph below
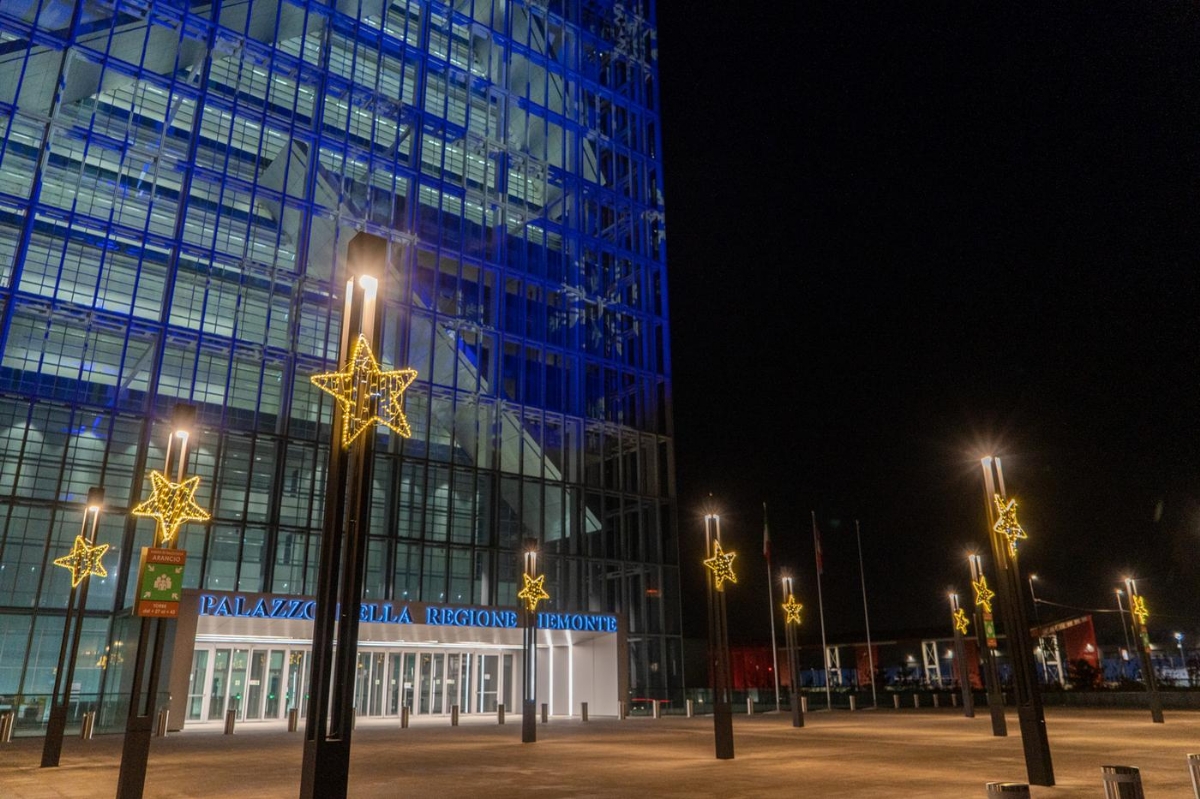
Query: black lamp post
532, 592
719, 564
1139, 614
985, 639
171, 503
1004, 534
83, 561
791, 610
366, 395
959, 617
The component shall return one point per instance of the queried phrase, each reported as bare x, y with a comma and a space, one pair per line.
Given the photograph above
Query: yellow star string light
171, 504
983, 594
1137, 606
791, 609
367, 394
534, 591
1007, 525
82, 560
961, 621
721, 564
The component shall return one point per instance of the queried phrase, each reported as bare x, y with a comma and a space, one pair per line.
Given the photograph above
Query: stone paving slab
885, 753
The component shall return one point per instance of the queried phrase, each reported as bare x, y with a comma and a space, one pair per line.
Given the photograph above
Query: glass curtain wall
178, 184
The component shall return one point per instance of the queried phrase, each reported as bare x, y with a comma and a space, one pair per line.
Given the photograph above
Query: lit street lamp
1124, 628
83, 561
1004, 535
961, 625
1139, 613
985, 638
720, 566
1033, 596
791, 611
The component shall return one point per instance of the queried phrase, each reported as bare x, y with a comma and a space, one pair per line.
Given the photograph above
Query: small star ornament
960, 621
171, 504
534, 591
82, 560
791, 610
367, 394
721, 564
1007, 525
983, 594
1137, 606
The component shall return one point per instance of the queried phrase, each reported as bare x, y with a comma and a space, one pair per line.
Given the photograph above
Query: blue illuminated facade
178, 184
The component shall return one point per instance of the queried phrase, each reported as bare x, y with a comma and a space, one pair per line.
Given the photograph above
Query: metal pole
1142, 635
771, 605
985, 633
1030, 713
330, 720
821, 609
68, 651
866, 615
960, 660
718, 649
789, 632
1124, 629
529, 640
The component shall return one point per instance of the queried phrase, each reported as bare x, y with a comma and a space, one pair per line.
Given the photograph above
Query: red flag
766, 535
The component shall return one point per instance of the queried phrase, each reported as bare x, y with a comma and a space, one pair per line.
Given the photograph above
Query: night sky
903, 234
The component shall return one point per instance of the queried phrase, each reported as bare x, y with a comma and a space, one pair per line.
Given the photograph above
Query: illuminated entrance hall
178, 185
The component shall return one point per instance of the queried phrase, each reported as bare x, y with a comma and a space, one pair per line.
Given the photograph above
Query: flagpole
821, 608
866, 615
771, 604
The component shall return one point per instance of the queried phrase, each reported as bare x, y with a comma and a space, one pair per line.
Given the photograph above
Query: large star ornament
171, 504
983, 594
1007, 525
721, 564
791, 610
961, 621
367, 394
534, 591
82, 560
1138, 608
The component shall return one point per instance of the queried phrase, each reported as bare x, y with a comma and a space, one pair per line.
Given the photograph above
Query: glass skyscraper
178, 184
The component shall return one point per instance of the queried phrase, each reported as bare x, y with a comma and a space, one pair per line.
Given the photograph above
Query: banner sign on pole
160, 582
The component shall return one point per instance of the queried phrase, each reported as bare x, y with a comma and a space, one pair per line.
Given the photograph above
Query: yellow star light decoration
961, 621
1138, 608
983, 594
367, 394
171, 504
791, 610
534, 591
721, 564
82, 560
1007, 525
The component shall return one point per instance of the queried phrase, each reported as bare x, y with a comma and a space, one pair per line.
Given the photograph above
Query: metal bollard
916, 700
896, 700
88, 726
6, 727
545, 713
853, 702
160, 726
953, 700
804, 704
1122, 782
749, 706
293, 719
1194, 769
654, 707
1008, 790
454, 715
690, 709
937, 700
621, 710
500, 713
583, 711
404, 717
230, 720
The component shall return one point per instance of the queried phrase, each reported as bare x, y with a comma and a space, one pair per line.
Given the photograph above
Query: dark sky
901, 234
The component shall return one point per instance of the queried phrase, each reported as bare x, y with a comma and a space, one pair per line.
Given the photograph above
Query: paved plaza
915, 753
